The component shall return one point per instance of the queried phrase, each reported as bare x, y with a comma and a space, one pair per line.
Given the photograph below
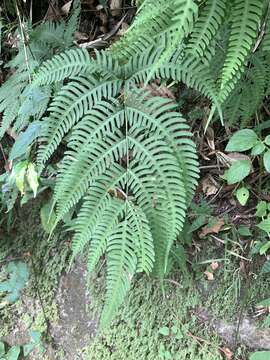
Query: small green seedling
242, 141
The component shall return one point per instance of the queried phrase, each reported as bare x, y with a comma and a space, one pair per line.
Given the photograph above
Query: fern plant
130, 166
35, 46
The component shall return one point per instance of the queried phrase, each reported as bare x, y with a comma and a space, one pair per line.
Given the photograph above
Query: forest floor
191, 317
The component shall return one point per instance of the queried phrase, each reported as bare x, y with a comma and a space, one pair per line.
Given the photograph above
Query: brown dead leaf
115, 6
214, 229
79, 36
209, 275
227, 352
209, 186
156, 89
53, 12
214, 265
66, 8
228, 159
210, 138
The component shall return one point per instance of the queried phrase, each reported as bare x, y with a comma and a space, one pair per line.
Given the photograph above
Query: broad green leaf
261, 209
238, 171
2, 348
32, 178
265, 225
242, 140
48, 217
266, 160
265, 247
244, 231
266, 269
13, 353
165, 331
267, 140
258, 149
24, 140
265, 302
242, 195
260, 355
18, 276
267, 321
35, 341
28, 348
35, 336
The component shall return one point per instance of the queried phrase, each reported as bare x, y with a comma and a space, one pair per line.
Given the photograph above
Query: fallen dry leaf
214, 229
214, 266
115, 7
209, 275
210, 138
228, 159
79, 36
208, 186
156, 89
227, 352
66, 8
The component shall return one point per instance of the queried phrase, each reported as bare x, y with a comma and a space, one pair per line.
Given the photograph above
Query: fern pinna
130, 166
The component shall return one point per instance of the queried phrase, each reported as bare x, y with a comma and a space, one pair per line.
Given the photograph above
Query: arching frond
206, 27
246, 15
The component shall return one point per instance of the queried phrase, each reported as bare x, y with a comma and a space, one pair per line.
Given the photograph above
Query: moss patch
155, 326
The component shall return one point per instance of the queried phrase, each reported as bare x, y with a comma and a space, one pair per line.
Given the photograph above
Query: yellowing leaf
19, 171
32, 178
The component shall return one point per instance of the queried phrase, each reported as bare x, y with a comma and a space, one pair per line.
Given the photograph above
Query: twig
3, 153
24, 44
200, 340
12, 259
39, 296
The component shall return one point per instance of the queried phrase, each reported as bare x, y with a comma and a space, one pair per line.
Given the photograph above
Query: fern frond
191, 71
74, 62
73, 101
94, 204
62, 66
121, 267
161, 22
72, 24
246, 15
248, 93
206, 27
266, 40
159, 116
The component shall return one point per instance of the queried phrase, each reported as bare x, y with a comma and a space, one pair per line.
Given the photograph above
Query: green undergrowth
155, 325
45, 259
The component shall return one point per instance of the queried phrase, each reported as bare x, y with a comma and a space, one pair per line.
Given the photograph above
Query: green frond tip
130, 238
246, 15
62, 66
206, 27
